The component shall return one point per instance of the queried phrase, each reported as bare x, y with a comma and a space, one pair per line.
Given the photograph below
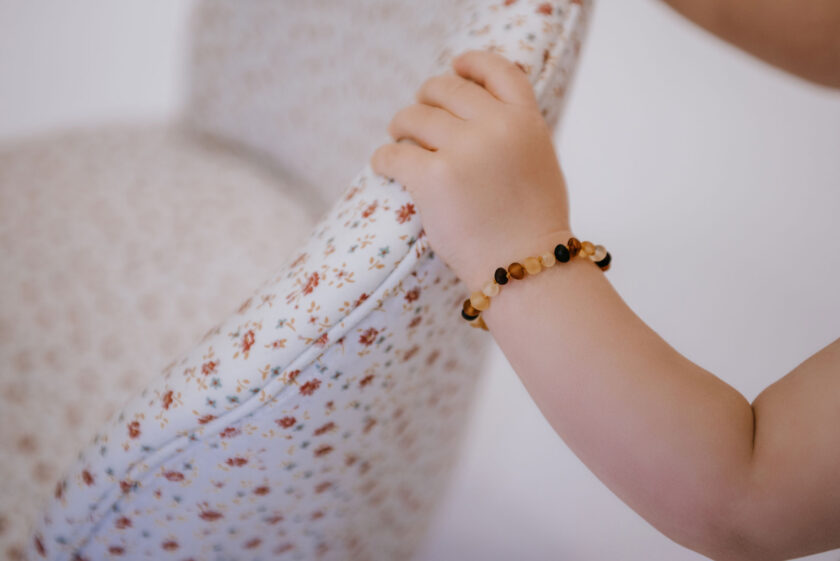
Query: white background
712, 178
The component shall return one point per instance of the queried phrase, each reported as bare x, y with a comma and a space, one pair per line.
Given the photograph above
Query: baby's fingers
403, 161
431, 127
498, 75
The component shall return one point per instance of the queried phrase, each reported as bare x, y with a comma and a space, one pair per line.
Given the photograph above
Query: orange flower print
366, 380
311, 283
229, 432
204, 419
370, 209
236, 461
545, 9
262, 490
324, 429
167, 399
253, 543
247, 341
411, 352
87, 477
286, 422
169, 545
405, 212
123, 522
412, 294
134, 429
209, 367
209, 515
360, 299
323, 450
309, 387
174, 476
368, 337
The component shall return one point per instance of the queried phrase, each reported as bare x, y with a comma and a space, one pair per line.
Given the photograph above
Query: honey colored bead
587, 249
599, 253
548, 260
501, 276
469, 310
532, 265
490, 289
516, 271
604, 263
574, 246
479, 301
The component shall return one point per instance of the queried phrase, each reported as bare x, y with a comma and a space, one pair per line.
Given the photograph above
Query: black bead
466, 316
501, 275
561, 253
605, 262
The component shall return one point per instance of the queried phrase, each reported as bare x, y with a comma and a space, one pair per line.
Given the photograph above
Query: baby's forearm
800, 36
668, 437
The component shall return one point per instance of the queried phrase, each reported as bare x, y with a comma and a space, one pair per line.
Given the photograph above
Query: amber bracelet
480, 300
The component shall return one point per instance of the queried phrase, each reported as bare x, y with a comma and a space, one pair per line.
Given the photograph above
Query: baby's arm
801, 36
680, 446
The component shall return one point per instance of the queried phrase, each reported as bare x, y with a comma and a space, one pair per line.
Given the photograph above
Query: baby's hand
483, 171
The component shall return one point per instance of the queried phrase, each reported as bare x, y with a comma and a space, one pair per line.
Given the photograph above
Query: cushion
120, 247
321, 419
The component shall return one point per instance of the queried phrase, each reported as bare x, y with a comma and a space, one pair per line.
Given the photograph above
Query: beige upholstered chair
319, 419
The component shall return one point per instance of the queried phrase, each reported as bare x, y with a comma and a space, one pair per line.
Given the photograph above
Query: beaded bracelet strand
480, 300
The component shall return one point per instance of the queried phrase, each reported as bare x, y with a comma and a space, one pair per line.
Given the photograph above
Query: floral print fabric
320, 420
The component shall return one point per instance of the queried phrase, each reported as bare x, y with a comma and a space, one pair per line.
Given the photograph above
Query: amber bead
532, 265
490, 289
561, 253
587, 249
599, 253
516, 271
604, 263
574, 246
547, 260
469, 310
479, 323
479, 301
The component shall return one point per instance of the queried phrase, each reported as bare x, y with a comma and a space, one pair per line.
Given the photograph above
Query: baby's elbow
728, 529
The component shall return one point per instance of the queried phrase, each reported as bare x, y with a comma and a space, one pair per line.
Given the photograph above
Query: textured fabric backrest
312, 84
320, 420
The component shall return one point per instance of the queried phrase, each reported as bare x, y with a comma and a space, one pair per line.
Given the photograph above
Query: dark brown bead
516, 270
561, 253
574, 246
501, 276
467, 316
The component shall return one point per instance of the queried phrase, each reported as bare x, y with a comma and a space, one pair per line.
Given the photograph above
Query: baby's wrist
478, 272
